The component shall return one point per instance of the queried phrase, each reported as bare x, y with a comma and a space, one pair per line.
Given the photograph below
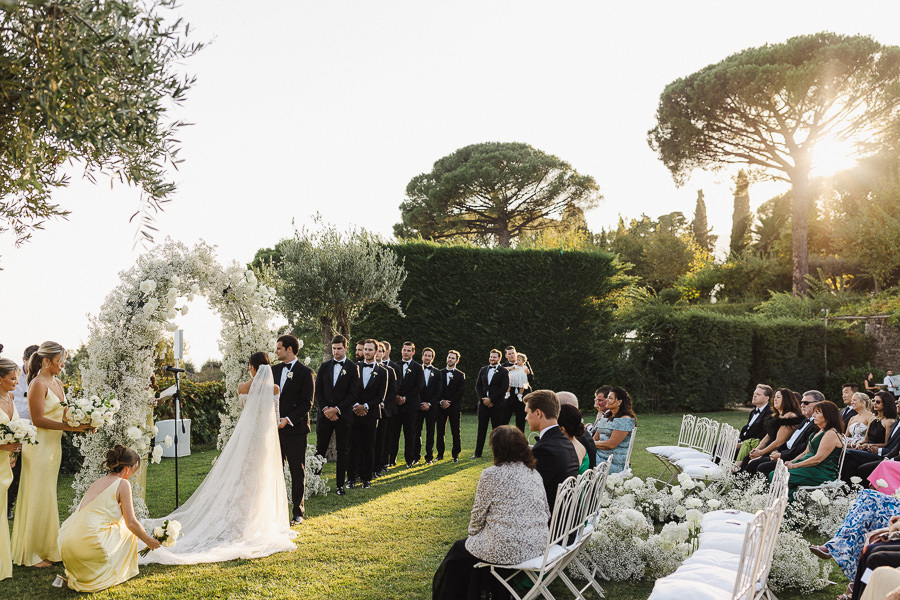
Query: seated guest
847, 391
555, 455
882, 550
820, 462
885, 415
599, 404
862, 461
613, 432
870, 511
869, 383
755, 429
585, 439
884, 583
786, 417
99, 542
570, 422
858, 425
796, 444
509, 522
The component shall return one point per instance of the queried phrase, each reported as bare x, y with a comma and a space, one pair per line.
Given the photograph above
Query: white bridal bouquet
18, 431
95, 411
165, 534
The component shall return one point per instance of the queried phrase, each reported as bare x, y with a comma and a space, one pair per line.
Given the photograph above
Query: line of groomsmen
366, 405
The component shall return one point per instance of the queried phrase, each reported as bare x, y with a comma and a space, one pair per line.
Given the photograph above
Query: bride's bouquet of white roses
18, 431
165, 534
95, 411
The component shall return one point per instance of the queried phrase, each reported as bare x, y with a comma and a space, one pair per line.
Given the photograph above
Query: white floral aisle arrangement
96, 411
18, 431
166, 534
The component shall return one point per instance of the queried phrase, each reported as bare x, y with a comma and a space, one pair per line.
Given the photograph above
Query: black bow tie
368, 366
339, 362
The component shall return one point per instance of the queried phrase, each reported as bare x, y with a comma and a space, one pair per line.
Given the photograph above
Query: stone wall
886, 340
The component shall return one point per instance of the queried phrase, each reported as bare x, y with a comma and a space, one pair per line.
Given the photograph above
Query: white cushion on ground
716, 558
726, 515
536, 562
727, 542
679, 589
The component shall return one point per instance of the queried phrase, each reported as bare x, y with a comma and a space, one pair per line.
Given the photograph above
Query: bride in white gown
240, 509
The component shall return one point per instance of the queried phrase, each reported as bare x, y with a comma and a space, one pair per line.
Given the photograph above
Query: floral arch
136, 315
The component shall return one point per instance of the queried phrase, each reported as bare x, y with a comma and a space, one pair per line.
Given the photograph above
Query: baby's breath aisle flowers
166, 534
18, 431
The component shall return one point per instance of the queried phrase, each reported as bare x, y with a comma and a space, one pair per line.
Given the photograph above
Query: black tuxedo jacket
454, 390
800, 444
410, 386
374, 393
390, 399
296, 397
758, 429
508, 364
431, 392
342, 393
556, 460
847, 413
496, 390
892, 447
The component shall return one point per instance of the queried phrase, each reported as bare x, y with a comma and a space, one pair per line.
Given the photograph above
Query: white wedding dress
240, 510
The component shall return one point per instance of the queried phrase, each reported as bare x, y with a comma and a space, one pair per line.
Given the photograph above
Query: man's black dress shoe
367, 485
340, 492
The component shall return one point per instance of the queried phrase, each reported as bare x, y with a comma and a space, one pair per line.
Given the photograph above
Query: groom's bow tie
369, 366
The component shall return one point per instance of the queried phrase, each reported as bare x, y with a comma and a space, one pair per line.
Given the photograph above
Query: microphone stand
177, 398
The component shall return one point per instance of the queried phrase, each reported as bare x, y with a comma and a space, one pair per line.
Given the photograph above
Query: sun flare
832, 156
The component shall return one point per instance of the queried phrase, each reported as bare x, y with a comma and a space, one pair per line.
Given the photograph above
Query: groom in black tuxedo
491, 387
297, 390
336, 394
450, 406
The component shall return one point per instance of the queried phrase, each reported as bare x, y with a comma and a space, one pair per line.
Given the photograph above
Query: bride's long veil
240, 510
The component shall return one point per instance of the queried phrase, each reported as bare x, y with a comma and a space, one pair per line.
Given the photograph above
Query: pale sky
332, 107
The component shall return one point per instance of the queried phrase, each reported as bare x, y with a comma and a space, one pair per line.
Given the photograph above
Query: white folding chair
627, 469
729, 521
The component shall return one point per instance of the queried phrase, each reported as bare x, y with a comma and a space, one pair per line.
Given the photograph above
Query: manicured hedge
547, 303
201, 403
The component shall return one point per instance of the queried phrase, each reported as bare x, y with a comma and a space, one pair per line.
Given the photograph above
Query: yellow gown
6, 478
98, 550
36, 522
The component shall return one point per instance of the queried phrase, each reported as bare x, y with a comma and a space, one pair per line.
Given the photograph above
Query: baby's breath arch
136, 315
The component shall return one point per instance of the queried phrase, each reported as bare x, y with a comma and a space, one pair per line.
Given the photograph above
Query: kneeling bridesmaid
99, 543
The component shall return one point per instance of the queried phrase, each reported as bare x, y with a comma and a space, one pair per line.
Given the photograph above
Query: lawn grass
380, 543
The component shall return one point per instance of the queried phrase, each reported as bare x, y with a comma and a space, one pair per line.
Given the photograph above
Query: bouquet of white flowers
165, 534
18, 431
95, 411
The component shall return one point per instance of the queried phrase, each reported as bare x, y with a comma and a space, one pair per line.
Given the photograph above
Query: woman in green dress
823, 454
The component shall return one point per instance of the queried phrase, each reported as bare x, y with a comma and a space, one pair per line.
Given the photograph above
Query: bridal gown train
240, 509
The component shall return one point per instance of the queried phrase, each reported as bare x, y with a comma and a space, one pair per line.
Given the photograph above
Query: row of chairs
705, 450
571, 525
735, 554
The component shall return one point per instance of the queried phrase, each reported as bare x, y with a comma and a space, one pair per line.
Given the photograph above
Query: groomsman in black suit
410, 385
847, 391
360, 352
450, 406
388, 410
490, 387
297, 391
755, 427
796, 444
554, 453
428, 402
514, 406
373, 388
336, 394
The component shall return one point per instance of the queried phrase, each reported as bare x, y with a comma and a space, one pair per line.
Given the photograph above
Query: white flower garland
136, 315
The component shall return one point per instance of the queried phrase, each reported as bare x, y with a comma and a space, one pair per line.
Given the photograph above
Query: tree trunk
800, 192
503, 236
327, 329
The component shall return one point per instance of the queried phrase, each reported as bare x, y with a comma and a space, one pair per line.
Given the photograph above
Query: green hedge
700, 360
547, 303
201, 403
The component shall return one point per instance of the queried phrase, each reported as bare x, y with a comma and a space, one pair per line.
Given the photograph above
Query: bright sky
332, 107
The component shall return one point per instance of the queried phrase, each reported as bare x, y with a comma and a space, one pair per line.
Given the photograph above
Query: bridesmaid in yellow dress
36, 523
9, 377
99, 542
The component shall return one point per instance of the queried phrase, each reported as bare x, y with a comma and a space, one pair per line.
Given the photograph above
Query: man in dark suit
796, 444
847, 391
433, 386
450, 406
490, 387
515, 407
761, 401
373, 380
336, 394
383, 456
297, 391
410, 385
554, 453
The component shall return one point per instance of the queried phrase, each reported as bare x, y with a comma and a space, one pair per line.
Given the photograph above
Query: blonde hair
7, 366
865, 400
48, 350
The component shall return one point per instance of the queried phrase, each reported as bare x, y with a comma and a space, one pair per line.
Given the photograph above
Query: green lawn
380, 543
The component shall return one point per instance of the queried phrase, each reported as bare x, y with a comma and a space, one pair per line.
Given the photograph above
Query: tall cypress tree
740, 219
700, 226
